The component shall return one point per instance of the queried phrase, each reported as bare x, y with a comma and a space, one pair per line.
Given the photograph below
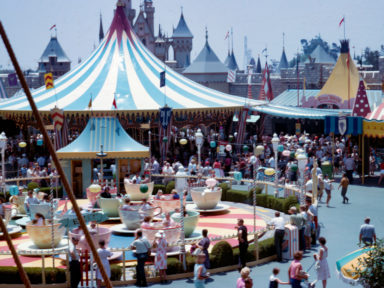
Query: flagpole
298, 82
344, 27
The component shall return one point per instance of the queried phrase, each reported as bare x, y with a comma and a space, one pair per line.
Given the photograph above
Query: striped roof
377, 114
122, 67
106, 131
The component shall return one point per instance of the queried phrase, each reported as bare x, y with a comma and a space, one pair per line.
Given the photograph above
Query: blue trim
350, 257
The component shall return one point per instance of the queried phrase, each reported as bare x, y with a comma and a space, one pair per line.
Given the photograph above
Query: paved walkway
340, 225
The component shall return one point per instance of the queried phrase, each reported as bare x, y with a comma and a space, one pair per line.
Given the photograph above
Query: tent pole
362, 160
55, 159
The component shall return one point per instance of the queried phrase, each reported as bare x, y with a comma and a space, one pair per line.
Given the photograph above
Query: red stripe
232, 216
228, 226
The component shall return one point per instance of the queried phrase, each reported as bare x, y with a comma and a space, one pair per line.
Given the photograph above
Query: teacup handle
161, 211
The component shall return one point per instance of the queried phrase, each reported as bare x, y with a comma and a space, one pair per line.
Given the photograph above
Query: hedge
116, 272
224, 188
221, 256
47, 190
158, 187
241, 196
170, 187
10, 275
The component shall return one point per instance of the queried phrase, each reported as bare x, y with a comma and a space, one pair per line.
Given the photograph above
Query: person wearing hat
367, 232
161, 244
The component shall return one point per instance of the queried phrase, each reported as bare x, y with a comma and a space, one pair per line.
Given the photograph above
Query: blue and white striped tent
122, 67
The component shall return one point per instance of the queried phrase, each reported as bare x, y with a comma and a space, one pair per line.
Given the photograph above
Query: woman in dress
103, 254
160, 244
323, 268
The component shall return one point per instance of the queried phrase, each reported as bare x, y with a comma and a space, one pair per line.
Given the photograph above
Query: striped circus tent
122, 68
377, 114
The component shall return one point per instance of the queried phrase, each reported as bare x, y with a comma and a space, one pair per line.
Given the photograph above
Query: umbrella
346, 266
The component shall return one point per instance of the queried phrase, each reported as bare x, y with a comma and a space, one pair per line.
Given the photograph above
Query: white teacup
205, 198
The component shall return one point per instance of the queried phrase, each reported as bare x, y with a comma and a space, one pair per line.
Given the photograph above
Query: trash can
291, 241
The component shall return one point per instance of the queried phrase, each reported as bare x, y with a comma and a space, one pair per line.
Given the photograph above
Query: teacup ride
172, 234
206, 199
110, 207
41, 239
190, 223
98, 234
17, 202
138, 192
42, 208
167, 204
11, 229
133, 217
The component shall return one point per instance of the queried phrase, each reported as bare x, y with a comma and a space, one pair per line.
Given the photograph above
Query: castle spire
101, 30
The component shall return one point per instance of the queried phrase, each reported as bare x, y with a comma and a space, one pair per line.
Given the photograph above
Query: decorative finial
181, 8
283, 40
206, 34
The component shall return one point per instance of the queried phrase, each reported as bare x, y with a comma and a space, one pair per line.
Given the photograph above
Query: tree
370, 270
372, 58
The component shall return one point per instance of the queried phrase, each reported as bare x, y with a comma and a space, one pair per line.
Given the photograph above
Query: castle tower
149, 12
161, 46
129, 12
182, 43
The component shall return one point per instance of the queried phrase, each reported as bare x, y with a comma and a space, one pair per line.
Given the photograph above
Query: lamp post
180, 185
301, 163
199, 142
3, 146
101, 155
275, 143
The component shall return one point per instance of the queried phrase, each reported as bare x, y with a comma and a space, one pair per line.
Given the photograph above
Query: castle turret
150, 12
101, 30
182, 43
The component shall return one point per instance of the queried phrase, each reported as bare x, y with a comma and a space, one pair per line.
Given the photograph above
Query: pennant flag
231, 76
361, 107
57, 116
53, 26
162, 79
266, 86
341, 22
3, 92
114, 103
48, 79
90, 103
165, 120
12, 79
226, 35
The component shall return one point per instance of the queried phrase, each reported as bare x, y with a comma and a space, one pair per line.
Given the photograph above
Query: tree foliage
370, 270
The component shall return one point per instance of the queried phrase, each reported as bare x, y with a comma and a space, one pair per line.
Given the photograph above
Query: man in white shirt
279, 223
271, 162
142, 246
167, 170
30, 200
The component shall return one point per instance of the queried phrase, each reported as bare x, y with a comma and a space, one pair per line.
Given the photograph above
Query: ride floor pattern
218, 225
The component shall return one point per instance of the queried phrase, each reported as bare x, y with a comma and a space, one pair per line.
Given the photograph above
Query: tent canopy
106, 131
295, 112
121, 67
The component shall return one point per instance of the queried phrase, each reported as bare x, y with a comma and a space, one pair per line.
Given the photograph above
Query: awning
106, 131
354, 125
295, 112
373, 128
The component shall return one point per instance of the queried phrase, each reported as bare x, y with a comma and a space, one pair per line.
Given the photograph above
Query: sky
27, 24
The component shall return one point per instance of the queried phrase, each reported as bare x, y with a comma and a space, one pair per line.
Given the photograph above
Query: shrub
289, 202
266, 249
170, 187
224, 187
10, 275
158, 187
32, 185
239, 196
222, 254
174, 266
116, 272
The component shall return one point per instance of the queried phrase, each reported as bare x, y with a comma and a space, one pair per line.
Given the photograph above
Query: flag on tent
361, 107
3, 92
48, 80
226, 35
231, 76
241, 126
57, 116
162, 79
53, 26
114, 103
12, 79
165, 129
341, 22
90, 103
266, 86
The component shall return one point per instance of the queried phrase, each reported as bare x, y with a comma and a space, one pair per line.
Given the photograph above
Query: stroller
306, 282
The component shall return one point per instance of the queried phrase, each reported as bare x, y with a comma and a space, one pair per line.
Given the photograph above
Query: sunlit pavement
340, 226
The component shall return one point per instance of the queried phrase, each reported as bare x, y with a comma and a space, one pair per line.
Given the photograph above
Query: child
274, 281
200, 271
328, 187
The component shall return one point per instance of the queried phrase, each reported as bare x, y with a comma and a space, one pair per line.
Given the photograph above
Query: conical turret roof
182, 30
54, 49
283, 61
